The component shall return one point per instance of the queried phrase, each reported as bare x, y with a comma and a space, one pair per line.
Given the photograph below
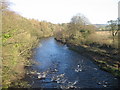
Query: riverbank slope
19, 37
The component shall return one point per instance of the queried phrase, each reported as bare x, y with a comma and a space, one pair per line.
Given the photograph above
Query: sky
61, 11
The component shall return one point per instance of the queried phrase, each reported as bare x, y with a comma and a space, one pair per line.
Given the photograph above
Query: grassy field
103, 38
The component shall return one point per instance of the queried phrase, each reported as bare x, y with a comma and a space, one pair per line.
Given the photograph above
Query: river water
59, 67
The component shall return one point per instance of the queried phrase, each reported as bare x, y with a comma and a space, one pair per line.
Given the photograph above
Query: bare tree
80, 19
4, 4
113, 26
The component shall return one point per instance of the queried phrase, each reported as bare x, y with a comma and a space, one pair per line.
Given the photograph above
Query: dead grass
104, 38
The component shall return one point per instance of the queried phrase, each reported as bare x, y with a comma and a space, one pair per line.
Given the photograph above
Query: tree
80, 19
77, 23
4, 4
113, 26
80, 23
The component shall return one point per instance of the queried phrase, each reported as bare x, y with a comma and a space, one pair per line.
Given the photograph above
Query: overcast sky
61, 11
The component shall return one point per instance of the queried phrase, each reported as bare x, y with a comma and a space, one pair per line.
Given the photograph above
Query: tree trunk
113, 41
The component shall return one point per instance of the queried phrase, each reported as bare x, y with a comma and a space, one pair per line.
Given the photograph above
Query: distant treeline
79, 31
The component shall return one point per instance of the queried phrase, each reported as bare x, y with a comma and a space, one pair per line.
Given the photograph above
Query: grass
104, 61
112, 69
102, 39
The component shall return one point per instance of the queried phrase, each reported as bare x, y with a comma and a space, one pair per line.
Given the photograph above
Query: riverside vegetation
19, 37
83, 37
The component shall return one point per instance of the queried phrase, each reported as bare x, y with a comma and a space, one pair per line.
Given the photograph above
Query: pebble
104, 85
99, 83
106, 82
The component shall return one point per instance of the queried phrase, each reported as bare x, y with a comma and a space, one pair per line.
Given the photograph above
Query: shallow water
59, 67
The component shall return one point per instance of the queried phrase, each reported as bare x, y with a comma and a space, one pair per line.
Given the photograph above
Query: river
59, 67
